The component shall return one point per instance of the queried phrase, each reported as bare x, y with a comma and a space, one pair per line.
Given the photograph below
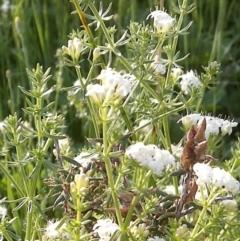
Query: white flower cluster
189, 80
158, 65
74, 48
52, 232
176, 72
86, 158
140, 230
162, 21
79, 186
150, 156
155, 238
214, 124
105, 228
114, 87
182, 233
215, 176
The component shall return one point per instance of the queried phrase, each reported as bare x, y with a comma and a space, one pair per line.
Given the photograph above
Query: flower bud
79, 185
230, 205
96, 53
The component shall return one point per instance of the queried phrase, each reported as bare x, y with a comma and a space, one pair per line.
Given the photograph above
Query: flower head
155, 238
85, 158
139, 231
189, 80
162, 21
79, 185
215, 125
54, 232
96, 92
105, 228
176, 72
151, 157
64, 147
74, 48
230, 205
114, 86
182, 232
158, 65
147, 128
216, 177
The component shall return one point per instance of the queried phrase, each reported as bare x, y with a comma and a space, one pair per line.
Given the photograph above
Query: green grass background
44, 26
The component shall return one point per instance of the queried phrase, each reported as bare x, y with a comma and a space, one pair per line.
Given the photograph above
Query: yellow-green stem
206, 203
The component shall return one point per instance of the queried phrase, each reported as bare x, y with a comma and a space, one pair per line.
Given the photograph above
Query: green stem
38, 167
206, 203
84, 22
11, 179
93, 117
175, 40
108, 165
140, 180
5, 234
78, 218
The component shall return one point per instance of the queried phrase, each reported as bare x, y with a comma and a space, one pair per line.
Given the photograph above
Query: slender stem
106, 150
11, 179
93, 117
78, 218
38, 167
206, 203
84, 21
175, 40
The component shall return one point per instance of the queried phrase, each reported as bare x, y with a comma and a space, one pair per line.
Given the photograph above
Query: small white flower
3, 212
169, 189
96, 92
150, 156
74, 48
215, 176
2, 124
158, 65
63, 146
203, 172
189, 80
116, 84
145, 129
190, 120
214, 124
79, 186
53, 232
230, 205
105, 228
182, 232
176, 72
155, 238
226, 127
139, 231
85, 158
162, 21
96, 53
